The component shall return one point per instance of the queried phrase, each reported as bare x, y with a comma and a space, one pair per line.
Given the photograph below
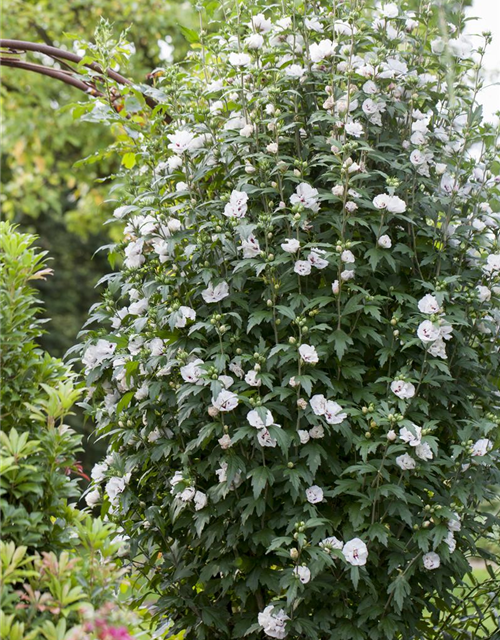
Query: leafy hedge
60, 568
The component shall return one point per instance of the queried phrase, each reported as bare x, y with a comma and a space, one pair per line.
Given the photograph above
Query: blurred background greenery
41, 189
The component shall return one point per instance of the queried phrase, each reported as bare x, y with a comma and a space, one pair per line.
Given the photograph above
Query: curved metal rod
54, 52
15, 46
64, 76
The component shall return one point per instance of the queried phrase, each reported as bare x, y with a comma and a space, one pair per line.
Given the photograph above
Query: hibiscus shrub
297, 363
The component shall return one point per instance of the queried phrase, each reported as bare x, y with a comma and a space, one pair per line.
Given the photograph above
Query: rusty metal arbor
13, 55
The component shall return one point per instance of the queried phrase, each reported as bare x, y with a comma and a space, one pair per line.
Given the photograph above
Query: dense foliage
59, 567
297, 364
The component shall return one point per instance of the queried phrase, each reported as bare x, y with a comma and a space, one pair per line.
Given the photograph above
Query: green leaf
285, 311
125, 401
401, 589
129, 160
341, 342
261, 476
377, 531
191, 35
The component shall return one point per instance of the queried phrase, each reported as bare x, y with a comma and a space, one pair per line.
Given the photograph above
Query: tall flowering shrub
297, 363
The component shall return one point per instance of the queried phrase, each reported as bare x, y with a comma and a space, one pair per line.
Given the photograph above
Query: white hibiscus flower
402, 389
424, 451
492, 265
396, 205
256, 421
314, 494
354, 129
93, 497
295, 71
317, 432
347, 256
483, 293
482, 447
225, 401
315, 259
307, 196
191, 372
412, 438
428, 331
428, 305
252, 379
200, 500
355, 552
273, 624
313, 24
381, 201
239, 59
318, 404
431, 561
384, 242
259, 22
454, 523
250, 247
97, 353
302, 267
333, 413
265, 439
308, 354
255, 41
291, 245
320, 51
133, 253
304, 436
303, 574
237, 205
182, 141
406, 462
331, 543
450, 541
184, 314
215, 294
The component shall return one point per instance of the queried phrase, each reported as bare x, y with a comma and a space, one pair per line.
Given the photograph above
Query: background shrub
297, 363
60, 568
